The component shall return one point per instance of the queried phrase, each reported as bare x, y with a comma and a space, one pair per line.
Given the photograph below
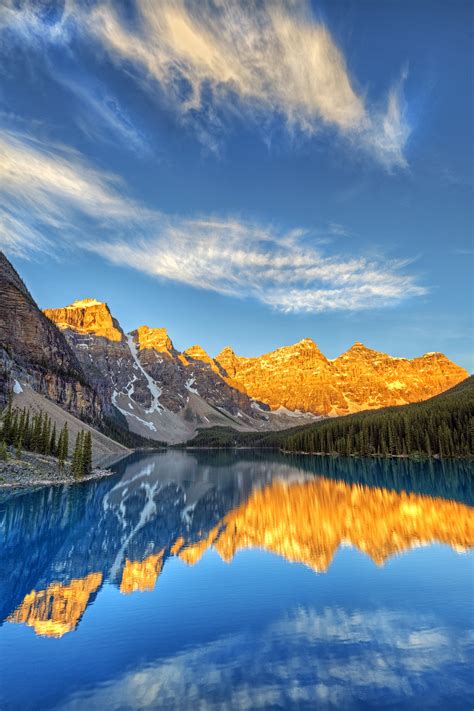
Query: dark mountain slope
33, 350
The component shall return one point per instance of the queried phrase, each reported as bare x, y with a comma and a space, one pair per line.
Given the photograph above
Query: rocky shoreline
40, 470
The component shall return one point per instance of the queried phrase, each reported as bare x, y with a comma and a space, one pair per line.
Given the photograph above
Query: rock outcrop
34, 349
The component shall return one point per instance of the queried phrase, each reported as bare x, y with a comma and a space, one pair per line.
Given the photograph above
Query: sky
245, 173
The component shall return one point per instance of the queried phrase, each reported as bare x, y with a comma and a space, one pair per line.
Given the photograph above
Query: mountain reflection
61, 544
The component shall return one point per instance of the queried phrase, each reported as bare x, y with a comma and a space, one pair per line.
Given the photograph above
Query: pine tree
87, 454
3, 451
37, 429
27, 434
18, 447
7, 420
65, 441
77, 463
52, 442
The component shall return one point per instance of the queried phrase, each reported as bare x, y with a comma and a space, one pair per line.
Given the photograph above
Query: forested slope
442, 426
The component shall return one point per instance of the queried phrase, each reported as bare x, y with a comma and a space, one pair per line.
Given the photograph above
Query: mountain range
80, 357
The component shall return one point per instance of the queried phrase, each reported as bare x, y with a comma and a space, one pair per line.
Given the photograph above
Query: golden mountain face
156, 339
87, 316
300, 377
297, 377
57, 610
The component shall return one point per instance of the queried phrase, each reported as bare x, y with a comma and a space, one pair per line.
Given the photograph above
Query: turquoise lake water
249, 580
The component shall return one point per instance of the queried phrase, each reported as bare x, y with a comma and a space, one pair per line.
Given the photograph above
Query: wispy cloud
213, 59
51, 195
244, 259
50, 192
355, 657
100, 115
33, 29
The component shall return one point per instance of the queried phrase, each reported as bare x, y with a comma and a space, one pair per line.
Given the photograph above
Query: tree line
24, 429
442, 426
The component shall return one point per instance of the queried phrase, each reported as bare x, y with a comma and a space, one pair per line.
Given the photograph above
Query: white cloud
244, 259
257, 60
48, 191
328, 657
51, 196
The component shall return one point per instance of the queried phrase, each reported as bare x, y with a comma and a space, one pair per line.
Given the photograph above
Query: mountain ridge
291, 380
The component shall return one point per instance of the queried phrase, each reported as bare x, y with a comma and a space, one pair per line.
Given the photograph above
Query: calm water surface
240, 581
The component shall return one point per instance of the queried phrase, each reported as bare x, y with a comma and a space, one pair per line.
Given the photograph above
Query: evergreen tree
77, 462
27, 433
37, 429
3, 451
87, 454
7, 420
18, 448
52, 442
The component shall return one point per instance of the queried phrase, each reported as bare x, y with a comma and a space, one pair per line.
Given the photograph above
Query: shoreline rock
40, 470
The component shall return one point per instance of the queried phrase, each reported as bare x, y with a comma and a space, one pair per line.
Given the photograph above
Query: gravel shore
40, 470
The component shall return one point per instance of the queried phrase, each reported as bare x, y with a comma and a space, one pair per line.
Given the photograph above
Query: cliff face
300, 377
32, 348
87, 316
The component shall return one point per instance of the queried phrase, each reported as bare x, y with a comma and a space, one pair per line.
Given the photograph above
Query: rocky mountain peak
85, 303
306, 349
87, 316
198, 353
228, 360
156, 339
359, 351
9, 274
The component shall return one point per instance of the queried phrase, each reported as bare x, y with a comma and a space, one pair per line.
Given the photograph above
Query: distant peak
85, 303
306, 342
359, 346
157, 331
227, 351
196, 351
156, 339
82, 316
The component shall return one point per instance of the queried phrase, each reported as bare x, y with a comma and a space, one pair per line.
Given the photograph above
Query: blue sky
245, 174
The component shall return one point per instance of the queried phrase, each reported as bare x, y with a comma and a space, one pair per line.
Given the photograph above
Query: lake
241, 580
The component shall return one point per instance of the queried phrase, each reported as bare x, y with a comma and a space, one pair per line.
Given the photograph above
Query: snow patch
150, 425
188, 385
152, 386
17, 389
84, 303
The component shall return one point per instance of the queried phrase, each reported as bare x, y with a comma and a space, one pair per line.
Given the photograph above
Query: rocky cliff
34, 350
300, 377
